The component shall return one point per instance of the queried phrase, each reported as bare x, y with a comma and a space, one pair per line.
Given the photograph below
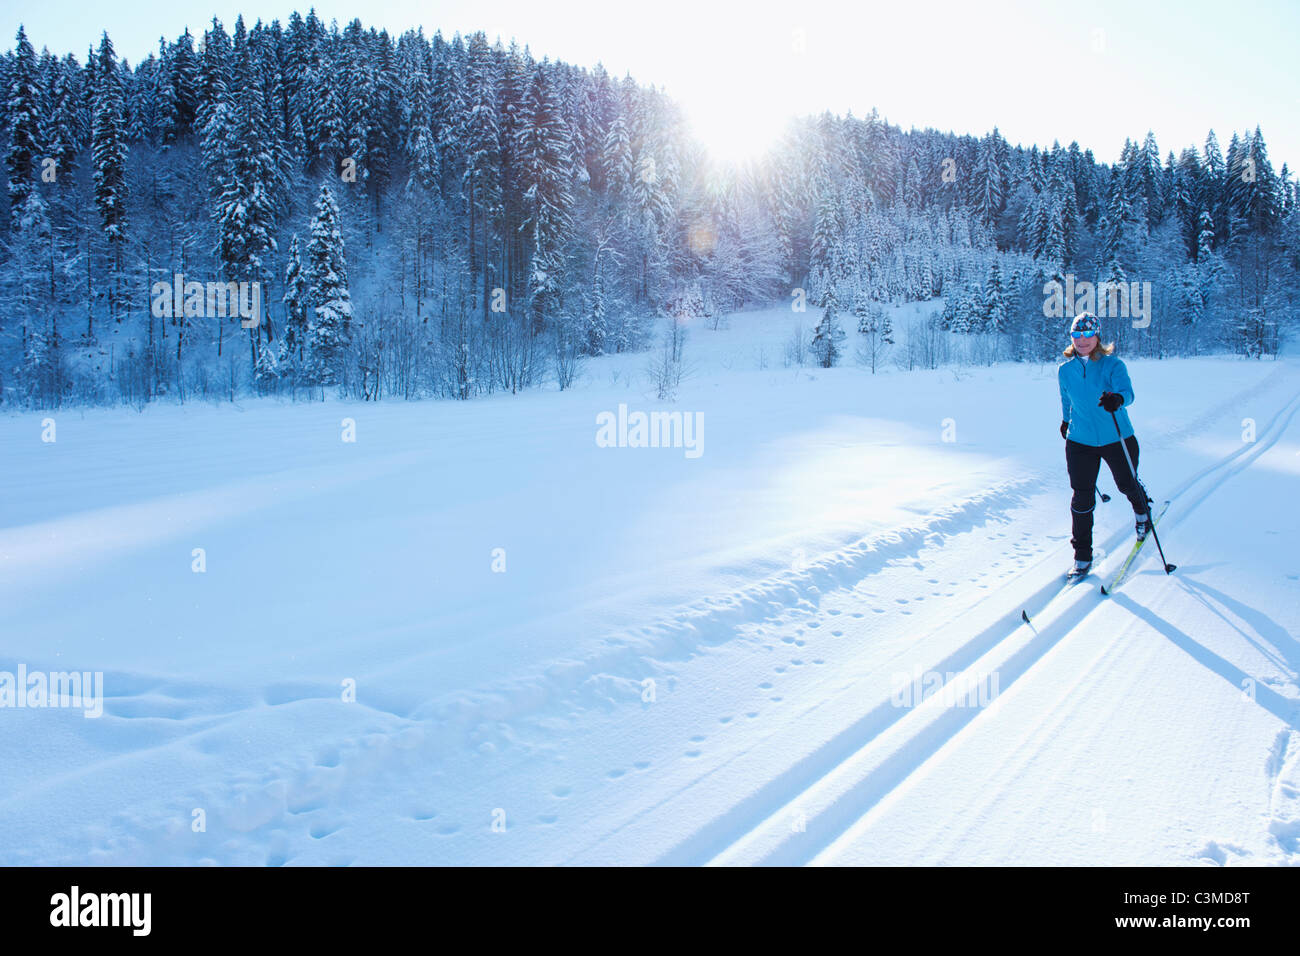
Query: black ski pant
1083, 463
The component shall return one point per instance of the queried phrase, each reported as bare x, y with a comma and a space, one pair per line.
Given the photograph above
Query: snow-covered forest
433, 217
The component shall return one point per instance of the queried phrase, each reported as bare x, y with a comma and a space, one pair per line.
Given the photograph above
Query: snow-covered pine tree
328, 301
913, 195
421, 147
1070, 225
110, 152
24, 111
267, 371
826, 254
995, 301
1187, 189
988, 187
294, 340
1149, 177
185, 78
960, 314
1114, 236
616, 159
828, 337
326, 135
449, 114
480, 184
1204, 236
65, 135
245, 206
1054, 246
544, 155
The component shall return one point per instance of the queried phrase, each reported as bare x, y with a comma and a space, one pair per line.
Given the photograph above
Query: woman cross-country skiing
1094, 383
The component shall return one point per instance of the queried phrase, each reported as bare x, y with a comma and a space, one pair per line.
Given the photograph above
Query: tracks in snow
272, 799
820, 799
831, 788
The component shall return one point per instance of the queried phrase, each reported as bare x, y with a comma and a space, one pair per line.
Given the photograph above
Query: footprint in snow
1217, 853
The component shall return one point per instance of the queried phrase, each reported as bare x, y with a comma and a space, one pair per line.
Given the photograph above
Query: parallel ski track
757, 829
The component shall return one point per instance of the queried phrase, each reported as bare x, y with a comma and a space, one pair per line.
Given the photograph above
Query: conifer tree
25, 108
545, 156
109, 147
328, 300
828, 337
295, 305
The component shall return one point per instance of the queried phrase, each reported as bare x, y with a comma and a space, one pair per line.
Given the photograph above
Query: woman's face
1085, 345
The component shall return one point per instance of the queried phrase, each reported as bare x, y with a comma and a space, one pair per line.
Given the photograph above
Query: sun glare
734, 132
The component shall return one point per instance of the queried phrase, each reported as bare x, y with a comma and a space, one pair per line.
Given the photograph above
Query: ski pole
1169, 568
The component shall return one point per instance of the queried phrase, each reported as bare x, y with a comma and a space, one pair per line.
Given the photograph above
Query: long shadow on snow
1285, 710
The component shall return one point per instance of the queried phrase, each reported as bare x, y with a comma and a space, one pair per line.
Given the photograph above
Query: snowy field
568, 653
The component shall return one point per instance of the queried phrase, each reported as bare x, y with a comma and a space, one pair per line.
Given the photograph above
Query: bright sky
1092, 70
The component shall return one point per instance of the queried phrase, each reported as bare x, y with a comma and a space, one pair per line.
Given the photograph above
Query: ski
1137, 546
1071, 579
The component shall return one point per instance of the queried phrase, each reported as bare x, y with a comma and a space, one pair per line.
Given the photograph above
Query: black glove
1111, 401
1065, 427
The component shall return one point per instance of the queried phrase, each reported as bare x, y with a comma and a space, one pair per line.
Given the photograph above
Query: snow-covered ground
568, 653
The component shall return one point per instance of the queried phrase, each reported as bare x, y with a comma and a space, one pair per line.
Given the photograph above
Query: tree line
454, 217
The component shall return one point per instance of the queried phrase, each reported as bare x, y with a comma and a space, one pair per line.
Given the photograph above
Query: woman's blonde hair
1103, 348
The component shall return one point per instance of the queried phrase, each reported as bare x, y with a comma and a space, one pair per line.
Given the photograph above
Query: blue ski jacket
1082, 382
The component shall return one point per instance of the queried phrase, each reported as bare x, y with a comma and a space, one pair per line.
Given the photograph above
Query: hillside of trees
432, 217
